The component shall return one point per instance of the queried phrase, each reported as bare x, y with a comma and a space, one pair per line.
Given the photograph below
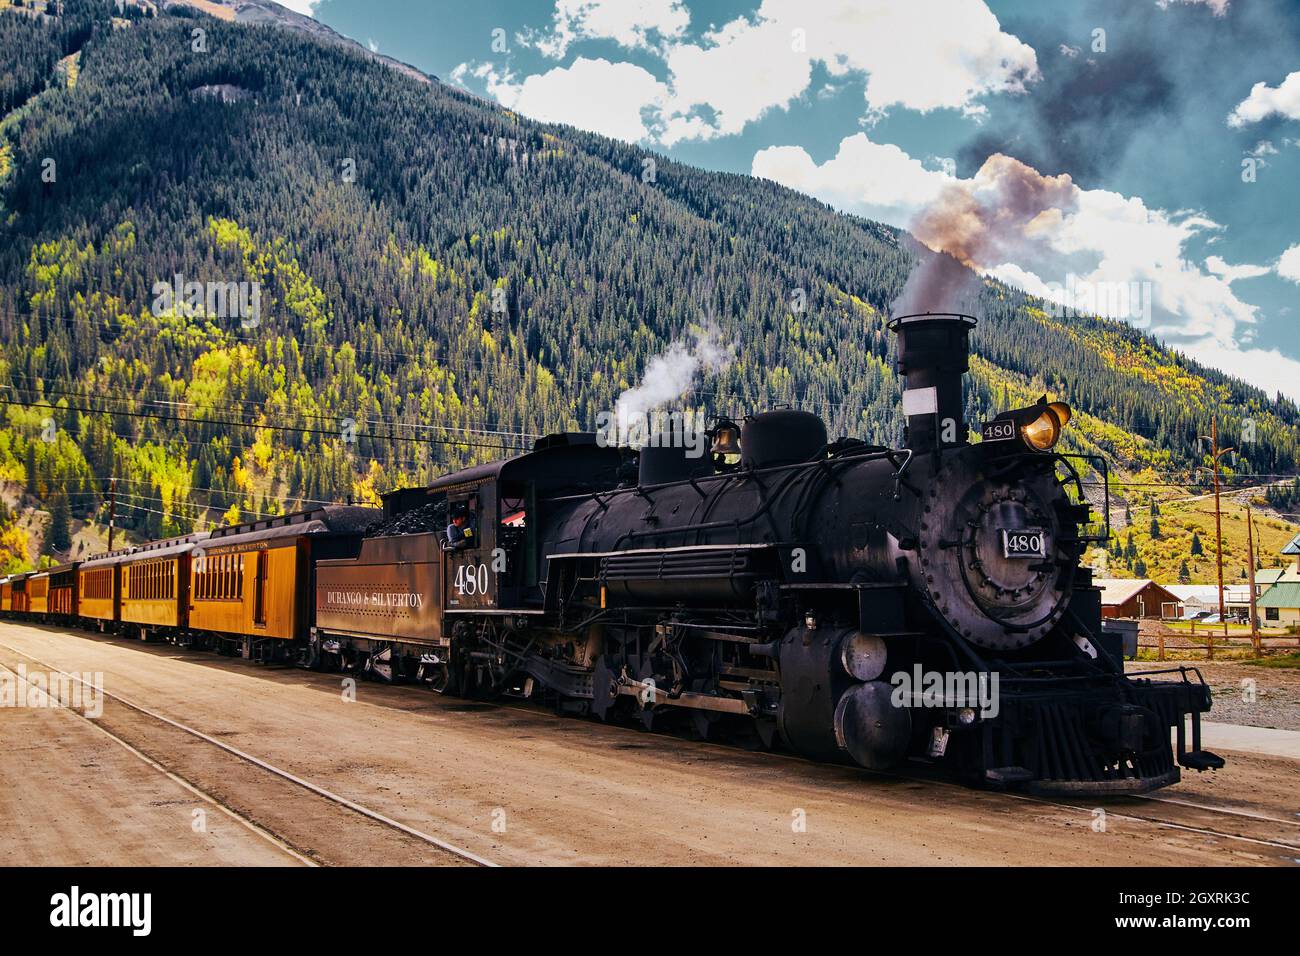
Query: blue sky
1090, 144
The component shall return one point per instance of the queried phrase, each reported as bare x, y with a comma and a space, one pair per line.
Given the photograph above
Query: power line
279, 428
132, 399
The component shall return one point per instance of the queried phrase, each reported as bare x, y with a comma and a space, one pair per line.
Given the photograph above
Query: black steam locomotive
851, 601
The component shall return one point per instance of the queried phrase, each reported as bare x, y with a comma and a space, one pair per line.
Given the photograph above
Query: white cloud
597, 95
1217, 7
1268, 369
1265, 101
306, 7
1232, 273
877, 180
746, 69
627, 22
921, 55
1124, 241
1288, 264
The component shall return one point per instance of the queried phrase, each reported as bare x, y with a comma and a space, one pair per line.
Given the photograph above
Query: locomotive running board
687, 699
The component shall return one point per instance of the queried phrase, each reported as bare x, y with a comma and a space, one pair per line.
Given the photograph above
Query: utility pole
1250, 556
1215, 454
112, 509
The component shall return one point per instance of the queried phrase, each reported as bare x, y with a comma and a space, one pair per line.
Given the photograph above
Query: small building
1137, 598
1198, 600
1292, 572
1280, 604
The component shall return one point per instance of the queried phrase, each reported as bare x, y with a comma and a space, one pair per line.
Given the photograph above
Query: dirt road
519, 786
71, 795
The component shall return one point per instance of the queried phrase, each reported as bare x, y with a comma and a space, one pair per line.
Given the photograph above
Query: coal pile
430, 517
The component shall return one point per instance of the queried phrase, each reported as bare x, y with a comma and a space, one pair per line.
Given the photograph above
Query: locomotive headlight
1040, 424
966, 716
1043, 432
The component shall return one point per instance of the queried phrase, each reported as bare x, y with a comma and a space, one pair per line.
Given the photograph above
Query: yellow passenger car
154, 585
38, 593
99, 587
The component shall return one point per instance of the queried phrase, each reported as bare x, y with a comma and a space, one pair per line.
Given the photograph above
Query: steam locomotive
848, 601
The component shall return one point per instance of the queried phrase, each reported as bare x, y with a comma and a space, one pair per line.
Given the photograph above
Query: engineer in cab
460, 533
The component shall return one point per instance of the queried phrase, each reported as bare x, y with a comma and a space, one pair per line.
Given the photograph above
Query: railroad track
297, 848
1186, 826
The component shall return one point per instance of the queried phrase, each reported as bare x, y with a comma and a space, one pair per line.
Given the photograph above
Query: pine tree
1184, 575
1155, 528
1140, 568
33, 480
60, 524
1196, 544
153, 517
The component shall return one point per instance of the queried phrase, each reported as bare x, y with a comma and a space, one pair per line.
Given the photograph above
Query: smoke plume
977, 224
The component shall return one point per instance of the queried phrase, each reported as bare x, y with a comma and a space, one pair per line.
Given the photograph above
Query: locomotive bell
726, 438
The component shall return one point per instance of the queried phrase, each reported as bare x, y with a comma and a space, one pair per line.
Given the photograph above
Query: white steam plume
670, 375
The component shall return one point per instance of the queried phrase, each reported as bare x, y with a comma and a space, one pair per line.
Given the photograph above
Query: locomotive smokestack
933, 354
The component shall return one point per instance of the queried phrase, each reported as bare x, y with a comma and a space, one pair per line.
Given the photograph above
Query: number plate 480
1024, 543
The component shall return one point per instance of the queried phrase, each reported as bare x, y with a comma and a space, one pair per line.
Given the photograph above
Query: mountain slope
448, 277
